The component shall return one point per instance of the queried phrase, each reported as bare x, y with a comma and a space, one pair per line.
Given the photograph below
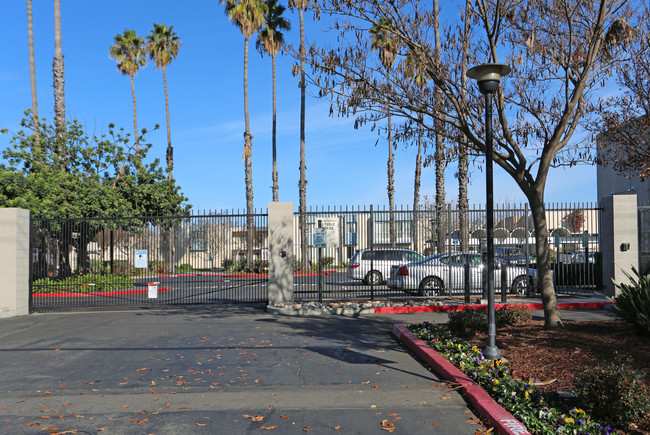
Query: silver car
373, 267
432, 275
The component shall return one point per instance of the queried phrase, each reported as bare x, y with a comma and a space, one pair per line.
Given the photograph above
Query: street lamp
488, 77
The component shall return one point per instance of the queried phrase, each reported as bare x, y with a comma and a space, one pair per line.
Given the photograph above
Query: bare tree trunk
170, 150
275, 187
32, 65
416, 190
58, 71
302, 184
248, 169
552, 317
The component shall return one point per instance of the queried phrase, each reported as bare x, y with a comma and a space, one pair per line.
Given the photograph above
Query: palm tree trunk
391, 185
170, 150
463, 164
275, 163
248, 170
135, 120
439, 155
32, 65
416, 191
58, 71
302, 184
439, 158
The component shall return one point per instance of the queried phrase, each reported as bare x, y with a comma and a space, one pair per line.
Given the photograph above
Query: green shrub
613, 392
467, 323
102, 283
158, 266
185, 268
260, 266
633, 302
513, 315
327, 261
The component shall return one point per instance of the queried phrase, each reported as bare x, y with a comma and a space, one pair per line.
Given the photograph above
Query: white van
373, 267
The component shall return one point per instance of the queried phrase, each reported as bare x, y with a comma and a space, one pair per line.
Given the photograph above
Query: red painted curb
447, 308
72, 294
503, 422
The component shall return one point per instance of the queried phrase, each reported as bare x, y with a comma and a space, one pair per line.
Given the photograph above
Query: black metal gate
104, 263
644, 239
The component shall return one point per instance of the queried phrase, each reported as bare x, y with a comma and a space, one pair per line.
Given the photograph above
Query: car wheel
519, 285
431, 286
374, 277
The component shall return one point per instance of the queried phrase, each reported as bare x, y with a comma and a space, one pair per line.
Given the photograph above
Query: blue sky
344, 167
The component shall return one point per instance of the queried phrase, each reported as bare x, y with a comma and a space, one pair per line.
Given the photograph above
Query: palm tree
32, 64
271, 40
57, 70
301, 5
383, 42
162, 46
248, 15
130, 54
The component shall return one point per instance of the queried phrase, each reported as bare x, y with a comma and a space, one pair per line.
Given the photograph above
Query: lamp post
488, 77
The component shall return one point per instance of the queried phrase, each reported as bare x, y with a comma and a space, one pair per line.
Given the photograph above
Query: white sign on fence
141, 259
320, 238
152, 290
331, 224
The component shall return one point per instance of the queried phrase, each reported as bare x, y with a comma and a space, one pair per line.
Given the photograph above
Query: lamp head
488, 76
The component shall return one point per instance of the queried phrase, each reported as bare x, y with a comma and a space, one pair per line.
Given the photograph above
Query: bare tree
560, 53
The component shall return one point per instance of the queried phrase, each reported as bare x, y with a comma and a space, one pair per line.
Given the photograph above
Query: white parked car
435, 275
373, 267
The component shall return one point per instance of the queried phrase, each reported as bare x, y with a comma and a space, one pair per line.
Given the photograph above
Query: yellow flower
495, 381
526, 395
569, 420
578, 411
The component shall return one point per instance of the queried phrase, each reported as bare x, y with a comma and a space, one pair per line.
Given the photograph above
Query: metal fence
220, 257
151, 260
573, 239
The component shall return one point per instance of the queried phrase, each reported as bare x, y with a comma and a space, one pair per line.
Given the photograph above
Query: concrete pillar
280, 253
14, 261
619, 239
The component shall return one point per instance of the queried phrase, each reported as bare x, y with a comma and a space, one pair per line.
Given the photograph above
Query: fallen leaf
201, 424
283, 416
142, 369
268, 427
257, 419
153, 384
336, 427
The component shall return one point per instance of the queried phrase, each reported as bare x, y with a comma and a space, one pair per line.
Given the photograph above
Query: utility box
280, 253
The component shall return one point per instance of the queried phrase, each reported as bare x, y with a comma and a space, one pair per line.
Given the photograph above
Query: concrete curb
502, 421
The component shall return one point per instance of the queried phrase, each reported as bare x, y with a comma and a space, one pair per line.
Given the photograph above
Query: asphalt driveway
218, 369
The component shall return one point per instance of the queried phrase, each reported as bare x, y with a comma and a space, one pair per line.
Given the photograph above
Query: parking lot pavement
218, 369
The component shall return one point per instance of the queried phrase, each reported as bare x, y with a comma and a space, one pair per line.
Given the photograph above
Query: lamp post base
491, 352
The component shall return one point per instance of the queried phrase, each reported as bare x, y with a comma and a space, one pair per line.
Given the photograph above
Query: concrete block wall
14, 261
619, 239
